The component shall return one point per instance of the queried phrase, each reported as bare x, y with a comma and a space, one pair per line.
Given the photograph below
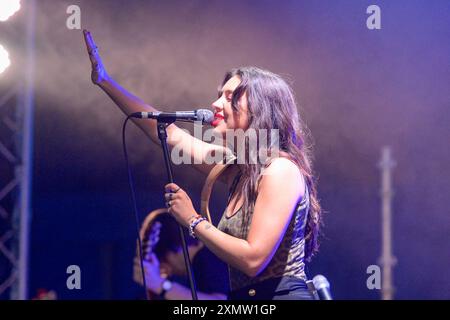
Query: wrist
198, 227
105, 82
193, 225
193, 218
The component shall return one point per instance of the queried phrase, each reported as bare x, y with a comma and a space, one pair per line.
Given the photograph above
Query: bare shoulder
282, 167
282, 172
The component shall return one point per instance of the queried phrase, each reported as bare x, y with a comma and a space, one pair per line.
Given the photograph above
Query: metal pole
387, 259
162, 134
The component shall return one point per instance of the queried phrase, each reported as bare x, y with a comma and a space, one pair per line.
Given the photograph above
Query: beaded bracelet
193, 225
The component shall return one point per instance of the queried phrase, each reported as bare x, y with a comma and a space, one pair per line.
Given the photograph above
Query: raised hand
98, 74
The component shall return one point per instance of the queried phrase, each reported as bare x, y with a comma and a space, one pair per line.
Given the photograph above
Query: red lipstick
217, 118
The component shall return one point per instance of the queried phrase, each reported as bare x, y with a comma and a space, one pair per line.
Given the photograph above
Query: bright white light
4, 59
8, 8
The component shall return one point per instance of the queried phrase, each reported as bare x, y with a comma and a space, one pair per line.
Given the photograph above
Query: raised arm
195, 148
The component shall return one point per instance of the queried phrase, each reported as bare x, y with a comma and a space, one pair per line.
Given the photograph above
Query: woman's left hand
179, 204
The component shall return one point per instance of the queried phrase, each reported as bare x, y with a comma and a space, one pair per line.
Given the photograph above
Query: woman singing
271, 223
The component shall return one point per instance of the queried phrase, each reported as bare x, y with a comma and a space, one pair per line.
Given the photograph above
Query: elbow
255, 261
254, 267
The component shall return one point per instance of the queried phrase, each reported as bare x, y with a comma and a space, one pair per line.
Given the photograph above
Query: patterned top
288, 259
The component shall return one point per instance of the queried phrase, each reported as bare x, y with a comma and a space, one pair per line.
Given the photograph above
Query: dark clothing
211, 273
284, 288
284, 277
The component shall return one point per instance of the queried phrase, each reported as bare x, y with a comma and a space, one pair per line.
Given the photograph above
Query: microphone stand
162, 135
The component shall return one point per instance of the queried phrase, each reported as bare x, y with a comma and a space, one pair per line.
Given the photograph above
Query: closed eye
228, 95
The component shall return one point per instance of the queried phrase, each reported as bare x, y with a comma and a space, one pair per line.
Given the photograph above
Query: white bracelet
193, 225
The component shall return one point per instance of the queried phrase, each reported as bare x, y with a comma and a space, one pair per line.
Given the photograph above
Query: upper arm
280, 189
203, 155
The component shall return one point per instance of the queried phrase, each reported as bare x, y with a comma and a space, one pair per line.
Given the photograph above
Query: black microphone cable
133, 197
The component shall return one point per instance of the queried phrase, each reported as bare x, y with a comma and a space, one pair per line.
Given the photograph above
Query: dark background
358, 90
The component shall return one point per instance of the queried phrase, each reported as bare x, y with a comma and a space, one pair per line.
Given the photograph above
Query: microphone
322, 287
203, 115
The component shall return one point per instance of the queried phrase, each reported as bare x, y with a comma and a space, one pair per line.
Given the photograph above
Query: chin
220, 129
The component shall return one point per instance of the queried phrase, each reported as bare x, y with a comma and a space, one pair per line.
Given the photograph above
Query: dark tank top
288, 259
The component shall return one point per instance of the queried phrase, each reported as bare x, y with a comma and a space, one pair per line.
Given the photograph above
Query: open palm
98, 74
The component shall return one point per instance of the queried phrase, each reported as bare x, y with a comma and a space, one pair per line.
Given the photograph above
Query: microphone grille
320, 282
204, 115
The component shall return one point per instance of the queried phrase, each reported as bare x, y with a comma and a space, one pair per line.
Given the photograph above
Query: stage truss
16, 148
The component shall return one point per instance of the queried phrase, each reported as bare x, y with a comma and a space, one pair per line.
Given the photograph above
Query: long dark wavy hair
271, 105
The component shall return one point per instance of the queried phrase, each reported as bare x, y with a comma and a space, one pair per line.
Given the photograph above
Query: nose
217, 105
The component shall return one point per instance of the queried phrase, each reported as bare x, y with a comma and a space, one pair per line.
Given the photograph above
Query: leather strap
208, 187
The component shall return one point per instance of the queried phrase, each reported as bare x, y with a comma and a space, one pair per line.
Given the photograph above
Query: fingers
89, 40
93, 61
171, 196
91, 48
98, 73
172, 187
90, 44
